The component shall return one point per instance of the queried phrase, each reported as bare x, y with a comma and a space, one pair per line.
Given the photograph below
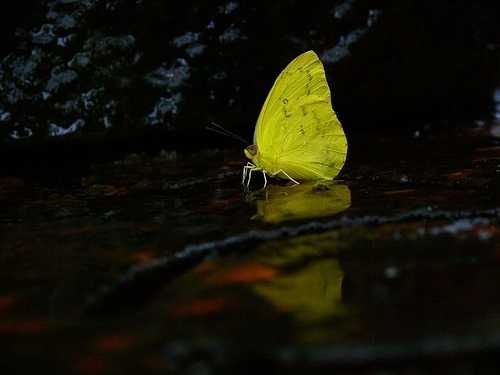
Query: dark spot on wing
308, 84
302, 131
285, 101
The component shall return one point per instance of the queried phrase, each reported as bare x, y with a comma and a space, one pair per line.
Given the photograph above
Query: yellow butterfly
298, 135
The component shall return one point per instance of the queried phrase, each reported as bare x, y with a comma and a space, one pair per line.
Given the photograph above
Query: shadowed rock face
120, 67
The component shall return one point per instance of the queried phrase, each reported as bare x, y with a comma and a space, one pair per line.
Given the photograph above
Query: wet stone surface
154, 264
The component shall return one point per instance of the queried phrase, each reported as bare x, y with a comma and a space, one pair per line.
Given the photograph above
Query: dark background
91, 80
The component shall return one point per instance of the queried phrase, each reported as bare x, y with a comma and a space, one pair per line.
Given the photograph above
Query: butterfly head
251, 152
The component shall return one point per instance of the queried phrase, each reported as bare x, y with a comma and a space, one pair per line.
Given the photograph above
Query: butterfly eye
252, 150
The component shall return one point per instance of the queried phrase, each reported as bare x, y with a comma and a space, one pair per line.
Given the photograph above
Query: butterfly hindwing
297, 130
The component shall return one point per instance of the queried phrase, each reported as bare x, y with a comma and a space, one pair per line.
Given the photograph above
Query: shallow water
154, 264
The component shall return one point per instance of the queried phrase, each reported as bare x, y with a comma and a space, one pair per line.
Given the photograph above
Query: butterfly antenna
219, 129
218, 132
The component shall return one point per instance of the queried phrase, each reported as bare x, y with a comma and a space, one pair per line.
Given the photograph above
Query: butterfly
298, 135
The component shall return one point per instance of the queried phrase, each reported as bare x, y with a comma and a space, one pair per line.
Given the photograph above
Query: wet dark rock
178, 66
342, 49
65, 22
169, 77
231, 34
4, 116
343, 8
57, 131
188, 38
11, 185
65, 40
45, 35
164, 109
60, 77
164, 155
103, 46
24, 68
81, 60
404, 179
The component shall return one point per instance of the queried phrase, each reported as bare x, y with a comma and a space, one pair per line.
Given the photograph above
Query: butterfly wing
297, 130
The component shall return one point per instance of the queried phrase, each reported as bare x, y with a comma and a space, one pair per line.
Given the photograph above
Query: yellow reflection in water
312, 293
304, 201
308, 281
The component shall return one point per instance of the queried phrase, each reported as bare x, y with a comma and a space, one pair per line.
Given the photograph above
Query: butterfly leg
245, 171
286, 174
265, 178
244, 174
249, 176
252, 168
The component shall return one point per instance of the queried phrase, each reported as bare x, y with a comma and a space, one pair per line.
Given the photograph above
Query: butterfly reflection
308, 200
312, 293
308, 278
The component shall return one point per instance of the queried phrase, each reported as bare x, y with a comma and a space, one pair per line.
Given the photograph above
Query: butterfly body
298, 135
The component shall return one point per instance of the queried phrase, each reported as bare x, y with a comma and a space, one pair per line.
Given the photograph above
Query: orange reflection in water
143, 256
245, 273
201, 306
29, 326
114, 342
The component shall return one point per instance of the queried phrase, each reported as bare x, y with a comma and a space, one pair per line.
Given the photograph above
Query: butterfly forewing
297, 130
